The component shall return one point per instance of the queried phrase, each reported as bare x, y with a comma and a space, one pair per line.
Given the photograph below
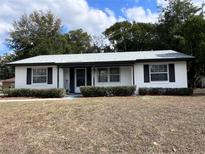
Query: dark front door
72, 79
80, 79
89, 76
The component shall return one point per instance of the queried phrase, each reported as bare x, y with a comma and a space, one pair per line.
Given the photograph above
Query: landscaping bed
38, 93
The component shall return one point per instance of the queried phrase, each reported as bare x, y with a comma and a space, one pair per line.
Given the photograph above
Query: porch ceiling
100, 64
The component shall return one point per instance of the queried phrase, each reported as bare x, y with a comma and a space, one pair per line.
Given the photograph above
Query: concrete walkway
38, 99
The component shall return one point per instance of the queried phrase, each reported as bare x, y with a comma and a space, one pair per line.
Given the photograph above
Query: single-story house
165, 69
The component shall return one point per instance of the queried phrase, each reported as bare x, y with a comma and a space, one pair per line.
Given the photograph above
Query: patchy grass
143, 124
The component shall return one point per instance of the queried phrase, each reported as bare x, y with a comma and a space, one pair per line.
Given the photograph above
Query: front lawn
142, 124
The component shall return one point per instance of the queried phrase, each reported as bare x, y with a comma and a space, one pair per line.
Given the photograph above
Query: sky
93, 16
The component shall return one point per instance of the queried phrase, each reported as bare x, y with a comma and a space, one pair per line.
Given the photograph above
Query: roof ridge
107, 52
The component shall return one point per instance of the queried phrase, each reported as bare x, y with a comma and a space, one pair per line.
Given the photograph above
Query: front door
80, 78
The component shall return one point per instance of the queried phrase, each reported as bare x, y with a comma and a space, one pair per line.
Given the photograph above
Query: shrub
41, 93
121, 90
166, 91
90, 91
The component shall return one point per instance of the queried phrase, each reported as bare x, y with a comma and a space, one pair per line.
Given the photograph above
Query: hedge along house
163, 69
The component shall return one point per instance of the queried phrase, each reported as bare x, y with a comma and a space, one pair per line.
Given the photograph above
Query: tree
181, 29
78, 41
144, 37
100, 44
119, 35
126, 36
36, 34
5, 70
194, 34
171, 19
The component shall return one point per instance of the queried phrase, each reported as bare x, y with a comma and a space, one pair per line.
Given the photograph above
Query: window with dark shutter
171, 73
28, 76
50, 75
146, 73
159, 72
40, 75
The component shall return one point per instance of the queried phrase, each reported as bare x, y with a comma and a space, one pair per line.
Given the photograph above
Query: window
159, 73
39, 75
114, 75
108, 74
102, 75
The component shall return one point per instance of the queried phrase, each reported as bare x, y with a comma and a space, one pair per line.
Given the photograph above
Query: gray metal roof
105, 57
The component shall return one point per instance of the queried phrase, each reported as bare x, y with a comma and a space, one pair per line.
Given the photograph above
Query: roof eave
104, 62
29, 64
166, 59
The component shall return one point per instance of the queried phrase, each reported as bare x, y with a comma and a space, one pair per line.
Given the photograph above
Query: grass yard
143, 124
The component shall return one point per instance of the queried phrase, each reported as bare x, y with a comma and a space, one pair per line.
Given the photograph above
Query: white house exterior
159, 69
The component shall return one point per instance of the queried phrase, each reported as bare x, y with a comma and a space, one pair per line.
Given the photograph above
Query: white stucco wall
126, 78
180, 76
21, 74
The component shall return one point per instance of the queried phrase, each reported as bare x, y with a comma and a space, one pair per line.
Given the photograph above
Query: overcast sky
94, 16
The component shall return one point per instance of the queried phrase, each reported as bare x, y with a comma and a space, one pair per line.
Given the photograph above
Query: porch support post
133, 74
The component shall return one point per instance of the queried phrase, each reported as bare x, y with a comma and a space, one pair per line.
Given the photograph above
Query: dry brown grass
145, 124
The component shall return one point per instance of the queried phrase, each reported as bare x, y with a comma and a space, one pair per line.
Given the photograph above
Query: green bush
91, 91
121, 90
166, 91
41, 93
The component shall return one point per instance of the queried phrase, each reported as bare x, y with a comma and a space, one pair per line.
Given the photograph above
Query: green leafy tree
194, 34
78, 41
126, 36
119, 35
144, 37
5, 70
171, 20
36, 34
39, 33
181, 28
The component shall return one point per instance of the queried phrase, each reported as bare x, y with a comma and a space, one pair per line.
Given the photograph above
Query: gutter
30, 64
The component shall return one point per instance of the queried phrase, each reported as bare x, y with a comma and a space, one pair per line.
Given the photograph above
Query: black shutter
146, 73
28, 76
171, 73
72, 80
50, 75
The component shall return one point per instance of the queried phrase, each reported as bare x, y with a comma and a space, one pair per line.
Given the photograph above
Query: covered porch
71, 77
